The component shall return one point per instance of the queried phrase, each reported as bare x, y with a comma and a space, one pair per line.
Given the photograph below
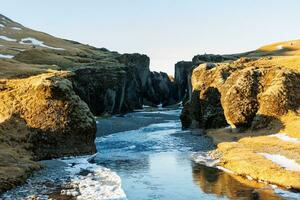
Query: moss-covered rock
41, 118
243, 91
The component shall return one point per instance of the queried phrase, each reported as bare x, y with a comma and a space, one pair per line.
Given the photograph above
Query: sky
167, 31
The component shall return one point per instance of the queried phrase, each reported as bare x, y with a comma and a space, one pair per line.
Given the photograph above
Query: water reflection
214, 181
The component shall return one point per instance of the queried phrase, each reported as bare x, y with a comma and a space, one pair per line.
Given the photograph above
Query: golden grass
292, 47
245, 161
242, 156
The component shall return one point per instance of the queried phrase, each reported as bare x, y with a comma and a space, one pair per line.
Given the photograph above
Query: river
152, 161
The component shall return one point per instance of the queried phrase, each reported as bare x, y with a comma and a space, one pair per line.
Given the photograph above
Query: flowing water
154, 161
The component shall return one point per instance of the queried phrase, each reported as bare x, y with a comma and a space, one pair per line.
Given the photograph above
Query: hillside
24, 51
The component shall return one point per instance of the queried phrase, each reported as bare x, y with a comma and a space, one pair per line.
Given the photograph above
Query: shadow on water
213, 181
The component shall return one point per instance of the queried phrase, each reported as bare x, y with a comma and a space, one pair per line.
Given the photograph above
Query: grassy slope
30, 59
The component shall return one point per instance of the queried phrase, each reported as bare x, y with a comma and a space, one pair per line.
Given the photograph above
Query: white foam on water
16, 28
285, 137
3, 37
99, 184
6, 56
36, 42
282, 161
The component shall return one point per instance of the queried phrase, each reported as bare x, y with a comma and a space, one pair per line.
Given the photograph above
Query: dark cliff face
137, 73
123, 85
204, 58
102, 88
162, 89
183, 72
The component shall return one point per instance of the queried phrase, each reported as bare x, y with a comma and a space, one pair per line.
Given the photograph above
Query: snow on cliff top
3, 37
36, 42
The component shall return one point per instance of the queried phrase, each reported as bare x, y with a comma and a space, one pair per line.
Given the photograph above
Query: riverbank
267, 155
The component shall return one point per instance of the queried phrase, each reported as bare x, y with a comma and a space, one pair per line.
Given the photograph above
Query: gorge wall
184, 70
51, 89
243, 93
123, 86
41, 117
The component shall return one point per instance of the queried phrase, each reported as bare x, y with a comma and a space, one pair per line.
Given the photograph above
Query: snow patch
98, 183
285, 137
204, 159
287, 194
6, 56
16, 28
35, 42
226, 170
2, 26
279, 47
3, 37
282, 161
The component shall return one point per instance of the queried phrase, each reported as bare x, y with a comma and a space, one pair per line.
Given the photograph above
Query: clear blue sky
166, 30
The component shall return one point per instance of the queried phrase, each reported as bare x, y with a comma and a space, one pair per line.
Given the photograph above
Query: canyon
51, 89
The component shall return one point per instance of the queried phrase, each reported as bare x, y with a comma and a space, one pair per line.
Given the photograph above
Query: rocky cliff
41, 118
123, 85
242, 94
50, 88
184, 70
107, 81
258, 97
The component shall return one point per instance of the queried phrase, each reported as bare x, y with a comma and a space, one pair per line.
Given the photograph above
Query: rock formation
41, 118
162, 89
243, 94
123, 85
184, 70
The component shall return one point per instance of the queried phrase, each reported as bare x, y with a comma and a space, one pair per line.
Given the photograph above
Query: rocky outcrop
61, 122
102, 88
122, 85
137, 75
162, 89
205, 58
242, 94
184, 70
183, 73
41, 118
